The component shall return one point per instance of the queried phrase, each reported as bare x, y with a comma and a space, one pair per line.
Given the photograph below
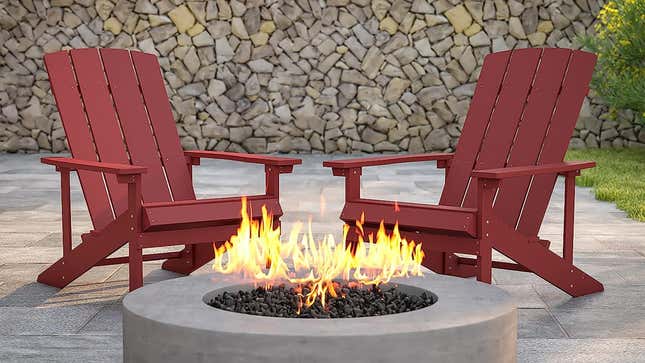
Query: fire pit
307, 300
171, 321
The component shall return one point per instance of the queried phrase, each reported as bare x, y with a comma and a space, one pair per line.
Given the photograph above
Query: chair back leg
192, 258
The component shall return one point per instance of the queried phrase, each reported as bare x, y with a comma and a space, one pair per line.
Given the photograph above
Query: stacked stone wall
295, 75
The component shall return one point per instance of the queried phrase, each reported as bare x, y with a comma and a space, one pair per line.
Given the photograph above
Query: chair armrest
78, 164
351, 169
285, 164
387, 160
519, 171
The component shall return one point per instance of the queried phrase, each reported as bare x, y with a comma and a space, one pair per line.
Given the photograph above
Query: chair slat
506, 115
79, 136
531, 131
134, 123
481, 107
574, 90
163, 124
102, 119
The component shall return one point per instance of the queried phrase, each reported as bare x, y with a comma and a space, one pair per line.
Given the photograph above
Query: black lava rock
352, 302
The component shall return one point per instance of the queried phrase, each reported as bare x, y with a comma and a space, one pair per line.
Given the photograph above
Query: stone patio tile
223, 192
61, 348
580, 350
509, 277
633, 274
28, 272
580, 244
56, 240
47, 320
597, 229
608, 246
604, 270
616, 296
12, 255
35, 294
16, 224
398, 185
621, 242
96, 293
20, 239
538, 323
6, 189
432, 186
525, 296
605, 273
615, 322
106, 322
605, 257
416, 169
23, 294
152, 272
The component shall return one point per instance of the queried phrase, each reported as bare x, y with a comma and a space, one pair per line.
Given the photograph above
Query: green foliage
619, 177
620, 45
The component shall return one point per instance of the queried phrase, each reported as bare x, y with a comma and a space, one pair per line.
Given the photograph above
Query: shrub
620, 45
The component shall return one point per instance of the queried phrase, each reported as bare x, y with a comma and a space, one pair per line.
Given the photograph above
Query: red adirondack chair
136, 179
499, 181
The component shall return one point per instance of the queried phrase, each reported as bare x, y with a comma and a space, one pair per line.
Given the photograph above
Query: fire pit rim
185, 297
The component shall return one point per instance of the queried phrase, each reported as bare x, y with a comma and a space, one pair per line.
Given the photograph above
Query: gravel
352, 302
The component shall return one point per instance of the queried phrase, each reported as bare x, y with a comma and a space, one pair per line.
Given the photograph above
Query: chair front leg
486, 189
352, 181
272, 178
569, 211
66, 211
135, 250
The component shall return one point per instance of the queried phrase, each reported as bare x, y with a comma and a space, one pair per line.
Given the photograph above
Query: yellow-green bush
620, 45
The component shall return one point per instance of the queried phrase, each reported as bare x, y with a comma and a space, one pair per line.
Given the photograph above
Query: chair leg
135, 265
193, 257
485, 262
435, 261
486, 190
95, 247
543, 262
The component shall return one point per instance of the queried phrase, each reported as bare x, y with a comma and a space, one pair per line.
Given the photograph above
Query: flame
257, 252
396, 206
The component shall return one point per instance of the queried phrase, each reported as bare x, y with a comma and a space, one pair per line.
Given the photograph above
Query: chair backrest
523, 113
114, 108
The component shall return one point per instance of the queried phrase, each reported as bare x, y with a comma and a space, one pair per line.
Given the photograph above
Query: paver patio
82, 322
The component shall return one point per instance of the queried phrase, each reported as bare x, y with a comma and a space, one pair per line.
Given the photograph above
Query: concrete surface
169, 321
82, 322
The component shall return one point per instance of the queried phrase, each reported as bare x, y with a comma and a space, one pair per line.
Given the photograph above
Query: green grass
618, 177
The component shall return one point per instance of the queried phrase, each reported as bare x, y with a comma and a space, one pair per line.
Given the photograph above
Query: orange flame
257, 252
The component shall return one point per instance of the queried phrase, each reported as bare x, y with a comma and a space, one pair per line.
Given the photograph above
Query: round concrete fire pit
169, 321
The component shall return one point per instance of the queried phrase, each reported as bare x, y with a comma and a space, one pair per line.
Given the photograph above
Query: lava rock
351, 301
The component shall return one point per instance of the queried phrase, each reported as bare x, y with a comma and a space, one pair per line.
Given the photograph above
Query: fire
257, 252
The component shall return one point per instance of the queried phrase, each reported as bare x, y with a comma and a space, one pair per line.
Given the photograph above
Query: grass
618, 177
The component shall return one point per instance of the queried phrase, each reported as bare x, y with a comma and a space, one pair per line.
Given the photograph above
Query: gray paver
61, 348
580, 350
45, 320
538, 323
82, 322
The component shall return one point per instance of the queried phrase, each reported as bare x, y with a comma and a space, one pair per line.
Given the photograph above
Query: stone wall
294, 75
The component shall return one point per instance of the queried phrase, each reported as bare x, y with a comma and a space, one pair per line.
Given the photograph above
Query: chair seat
204, 212
412, 215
